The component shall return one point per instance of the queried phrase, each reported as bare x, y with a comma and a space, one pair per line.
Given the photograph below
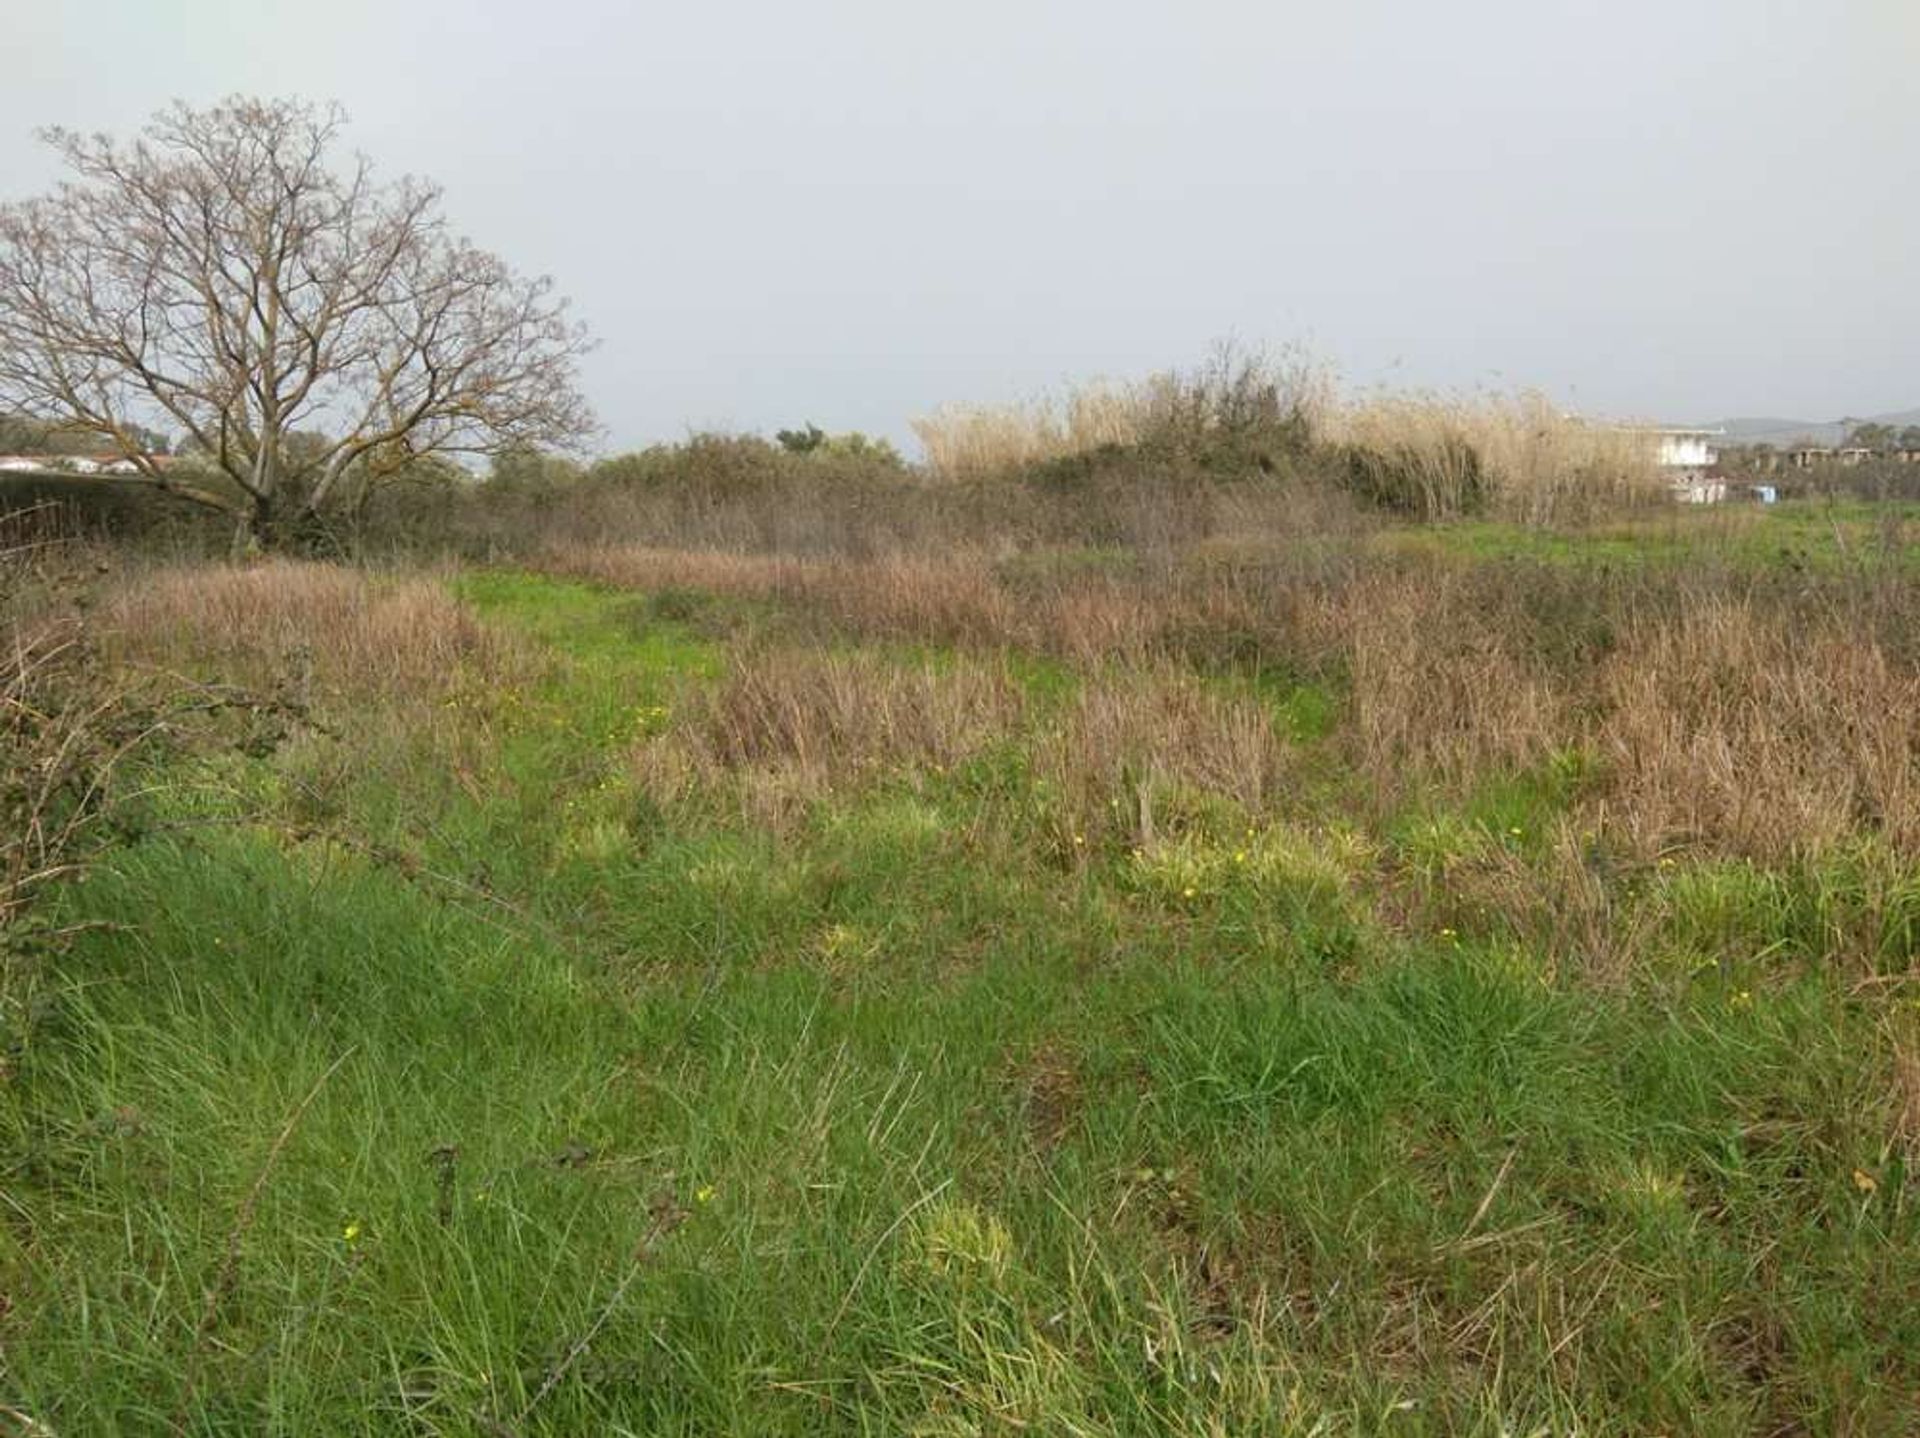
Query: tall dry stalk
962, 441
1234, 391
61, 727
1702, 708
792, 726
1513, 456
1437, 689
285, 621
787, 727
1134, 736
1516, 457
1761, 734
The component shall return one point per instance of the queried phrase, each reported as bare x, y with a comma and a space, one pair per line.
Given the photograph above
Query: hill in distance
1767, 430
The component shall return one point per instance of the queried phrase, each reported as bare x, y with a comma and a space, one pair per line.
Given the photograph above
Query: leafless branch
219, 277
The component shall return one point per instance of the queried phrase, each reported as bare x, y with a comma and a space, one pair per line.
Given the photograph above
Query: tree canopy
304, 327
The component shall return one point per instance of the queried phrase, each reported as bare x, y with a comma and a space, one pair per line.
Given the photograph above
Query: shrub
1238, 411
1759, 734
853, 445
1516, 457
286, 622
66, 723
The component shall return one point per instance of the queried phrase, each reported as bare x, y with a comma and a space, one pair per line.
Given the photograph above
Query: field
1220, 975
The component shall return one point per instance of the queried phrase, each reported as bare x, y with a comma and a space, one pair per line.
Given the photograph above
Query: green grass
623, 1118
1816, 535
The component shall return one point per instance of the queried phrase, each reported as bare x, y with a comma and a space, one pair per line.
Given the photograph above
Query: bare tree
221, 276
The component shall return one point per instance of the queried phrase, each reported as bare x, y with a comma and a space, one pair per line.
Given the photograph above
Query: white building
79, 464
49, 464
1687, 448
1698, 489
1685, 457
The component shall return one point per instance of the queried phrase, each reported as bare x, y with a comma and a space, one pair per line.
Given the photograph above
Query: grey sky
851, 210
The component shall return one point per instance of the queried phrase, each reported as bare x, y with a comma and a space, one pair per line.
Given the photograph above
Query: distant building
1687, 449
1698, 489
1812, 456
108, 464
1686, 458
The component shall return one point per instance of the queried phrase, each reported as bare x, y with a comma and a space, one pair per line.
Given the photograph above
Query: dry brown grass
287, 622
1738, 722
964, 598
1233, 391
1721, 723
66, 722
952, 598
785, 727
1761, 734
48, 756
1906, 1086
1518, 457
1435, 689
963, 441
1134, 744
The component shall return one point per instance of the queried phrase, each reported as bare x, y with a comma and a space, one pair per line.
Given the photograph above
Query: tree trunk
289, 526
263, 526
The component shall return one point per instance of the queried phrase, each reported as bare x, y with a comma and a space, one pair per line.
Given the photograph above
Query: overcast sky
850, 210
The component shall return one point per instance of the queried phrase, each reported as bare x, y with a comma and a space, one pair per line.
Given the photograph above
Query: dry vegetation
1755, 723
976, 441
1517, 456
1704, 714
967, 597
1236, 395
1762, 733
57, 730
1242, 444
289, 625
71, 725
1154, 942
792, 727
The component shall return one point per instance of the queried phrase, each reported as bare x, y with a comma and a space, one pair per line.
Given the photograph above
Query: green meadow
669, 1011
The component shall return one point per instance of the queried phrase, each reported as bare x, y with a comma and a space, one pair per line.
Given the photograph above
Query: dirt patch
1051, 1097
